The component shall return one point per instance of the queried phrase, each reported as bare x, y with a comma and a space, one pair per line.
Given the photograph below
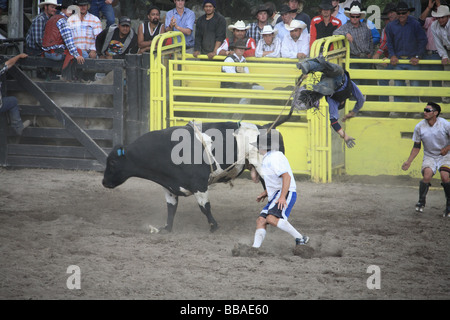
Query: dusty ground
52, 219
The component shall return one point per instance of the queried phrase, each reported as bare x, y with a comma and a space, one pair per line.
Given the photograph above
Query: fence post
132, 101
3, 139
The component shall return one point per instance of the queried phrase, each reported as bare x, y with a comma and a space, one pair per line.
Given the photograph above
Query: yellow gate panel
383, 145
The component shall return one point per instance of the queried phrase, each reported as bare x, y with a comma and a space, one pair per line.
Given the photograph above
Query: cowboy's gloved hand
350, 142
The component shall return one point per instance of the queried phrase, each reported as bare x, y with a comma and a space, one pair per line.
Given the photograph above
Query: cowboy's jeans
11, 105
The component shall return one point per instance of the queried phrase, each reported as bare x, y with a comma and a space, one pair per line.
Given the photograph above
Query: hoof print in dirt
304, 251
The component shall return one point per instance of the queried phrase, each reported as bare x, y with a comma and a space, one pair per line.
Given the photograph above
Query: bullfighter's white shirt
274, 164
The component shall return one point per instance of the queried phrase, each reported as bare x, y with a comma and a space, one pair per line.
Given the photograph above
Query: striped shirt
85, 31
66, 34
254, 32
362, 38
36, 31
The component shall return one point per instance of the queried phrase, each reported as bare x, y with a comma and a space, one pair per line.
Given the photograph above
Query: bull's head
115, 172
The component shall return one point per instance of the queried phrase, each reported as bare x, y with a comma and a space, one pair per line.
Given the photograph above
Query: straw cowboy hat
354, 9
268, 30
54, 2
442, 11
240, 25
295, 24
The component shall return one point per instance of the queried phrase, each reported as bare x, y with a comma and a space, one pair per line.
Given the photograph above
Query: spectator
105, 7
431, 52
35, 34
147, 31
58, 42
336, 86
388, 15
325, 24
433, 132
181, 19
210, 30
239, 33
269, 46
297, 8
3, 6
296, 44
359, 37
441, 34
275, 14
416, 5
357, 33
117, 41
85, 28
10, 104
287, 15
406, 39
262, 14
338, 12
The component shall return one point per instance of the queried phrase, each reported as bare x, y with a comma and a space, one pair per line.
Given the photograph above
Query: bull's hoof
213, 228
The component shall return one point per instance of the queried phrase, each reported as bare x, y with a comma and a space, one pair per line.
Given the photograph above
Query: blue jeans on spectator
55, 56
11, 105
98, 6
413, 83
385, 83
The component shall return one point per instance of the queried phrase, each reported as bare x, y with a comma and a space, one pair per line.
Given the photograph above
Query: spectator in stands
117, 41
105, 7
416, 5
359, 37
357, 33
297, 8
431, 52
58, 40
406, 40
344, 19
324, 24
148, 30
182, 19
441, 34
388, 15
210, 30
239, 33
262, 14
269, 46
287, 15
338, 12
10, 104
85, 28
275, 14
35, 34
296, 44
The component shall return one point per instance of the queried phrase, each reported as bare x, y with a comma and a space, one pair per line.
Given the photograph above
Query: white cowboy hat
54, 2
240, 25
295, 24
442, 11
268, 30
355, 10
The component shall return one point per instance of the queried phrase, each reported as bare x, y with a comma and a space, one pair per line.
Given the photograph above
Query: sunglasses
356, 17
428, 110
402, 13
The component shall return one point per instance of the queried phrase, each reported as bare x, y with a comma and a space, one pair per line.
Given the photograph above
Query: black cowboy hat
239, 44
402, 7
326, 5
286, 9
262, 7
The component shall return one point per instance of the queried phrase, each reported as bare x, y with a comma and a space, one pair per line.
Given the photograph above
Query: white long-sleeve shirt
441, 38
290, 48
275, 47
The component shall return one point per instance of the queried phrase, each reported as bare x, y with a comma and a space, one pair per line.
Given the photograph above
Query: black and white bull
186, 160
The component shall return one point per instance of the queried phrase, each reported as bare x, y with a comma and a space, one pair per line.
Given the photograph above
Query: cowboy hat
402, 6
390, 7
54, 2
286, 9
442, 11
262, 7
295, 24
354, 9
268, 30
326, 5
239, 44
240, 25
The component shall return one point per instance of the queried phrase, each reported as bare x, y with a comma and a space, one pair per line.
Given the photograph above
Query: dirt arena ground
53, 219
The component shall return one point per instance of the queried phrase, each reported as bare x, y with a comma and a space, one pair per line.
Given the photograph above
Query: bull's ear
121, 152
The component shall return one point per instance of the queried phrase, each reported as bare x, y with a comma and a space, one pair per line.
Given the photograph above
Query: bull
170, 158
